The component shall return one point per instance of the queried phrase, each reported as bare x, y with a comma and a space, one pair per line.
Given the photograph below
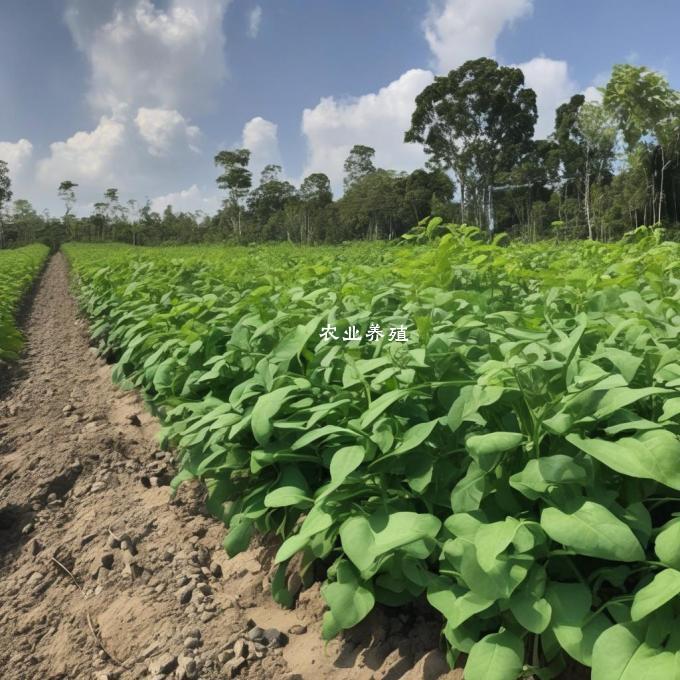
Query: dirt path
102, 575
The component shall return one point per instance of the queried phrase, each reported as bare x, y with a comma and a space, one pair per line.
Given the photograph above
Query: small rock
107, 560
298, 629
127, 545
225, 656
52, 497
191, 631
149, 651
98, 486
36, 547
275, 638
113, 541
216, 569
232, 668
204, 588
184, 595
163, 664
187, 668
35, 578
241, 648
192, 643
255, 633
159, 588
207, 616
28, 528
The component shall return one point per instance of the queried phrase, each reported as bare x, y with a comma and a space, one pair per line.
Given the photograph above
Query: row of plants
18, 269
516, 463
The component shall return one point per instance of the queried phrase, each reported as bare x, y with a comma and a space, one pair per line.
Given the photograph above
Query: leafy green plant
517, 463
18, 268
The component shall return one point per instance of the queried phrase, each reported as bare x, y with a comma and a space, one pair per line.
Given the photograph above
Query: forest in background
607, 167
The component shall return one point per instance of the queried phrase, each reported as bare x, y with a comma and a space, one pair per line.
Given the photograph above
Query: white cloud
378, 120
592, 94
17, 155
165, 130
187, 200
140, 55
117, 153
550, 79
458, 30
254, 21
261, 137
85, 157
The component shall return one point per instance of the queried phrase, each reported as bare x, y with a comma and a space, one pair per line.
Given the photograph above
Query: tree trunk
587, 199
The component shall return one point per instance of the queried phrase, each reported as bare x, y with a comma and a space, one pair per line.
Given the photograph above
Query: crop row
18, 268
517, 462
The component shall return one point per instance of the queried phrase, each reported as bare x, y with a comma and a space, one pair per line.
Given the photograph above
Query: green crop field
515, 461
18, 269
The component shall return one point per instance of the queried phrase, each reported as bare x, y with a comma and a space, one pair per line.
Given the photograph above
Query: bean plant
516, 463
18, 269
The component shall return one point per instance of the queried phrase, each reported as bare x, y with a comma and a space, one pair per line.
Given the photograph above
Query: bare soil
104, 575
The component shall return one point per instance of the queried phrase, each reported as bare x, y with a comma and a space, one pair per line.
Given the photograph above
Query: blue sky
141, 94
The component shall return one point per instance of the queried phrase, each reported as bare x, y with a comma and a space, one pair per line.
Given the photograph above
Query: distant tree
268, 200
598, 132
67, 194
644, 104
5, 197
26, 221
372, 205
315, 196
421, 188
477, 121
237, 180
358, 164
316, 189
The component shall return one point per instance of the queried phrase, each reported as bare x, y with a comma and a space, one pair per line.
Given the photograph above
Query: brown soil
103, 575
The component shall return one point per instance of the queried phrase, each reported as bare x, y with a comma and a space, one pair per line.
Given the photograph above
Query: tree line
608, 166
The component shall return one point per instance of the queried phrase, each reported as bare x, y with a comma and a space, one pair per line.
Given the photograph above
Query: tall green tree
598, 132
67, 193
358, 164
315, 196
644, 105
269, 198
237, 180
477, 121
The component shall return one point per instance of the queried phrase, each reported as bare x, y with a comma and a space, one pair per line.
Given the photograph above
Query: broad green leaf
667, 544
266, 407
590, 529
350, 599
650, 455
499, 656
344, 462
468, 493
415, 436
365, 539
621, 653
540, 474
573, 624
492, 539
663, 588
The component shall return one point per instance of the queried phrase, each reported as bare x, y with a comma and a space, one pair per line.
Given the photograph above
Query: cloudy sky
141, 94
